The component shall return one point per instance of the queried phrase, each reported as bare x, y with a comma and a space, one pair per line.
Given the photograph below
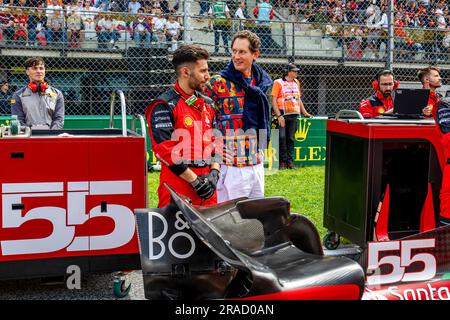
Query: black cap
291, 67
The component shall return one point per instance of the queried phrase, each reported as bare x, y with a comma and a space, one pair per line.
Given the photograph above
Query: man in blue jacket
243, 116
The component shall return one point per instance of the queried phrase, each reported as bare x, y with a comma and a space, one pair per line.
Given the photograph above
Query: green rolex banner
310, 144
309, 149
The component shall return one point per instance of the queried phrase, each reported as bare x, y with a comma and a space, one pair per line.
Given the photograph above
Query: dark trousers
265, 35
204, 7
224, 31
287, 138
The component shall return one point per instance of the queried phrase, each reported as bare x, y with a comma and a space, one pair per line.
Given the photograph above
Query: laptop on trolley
408, 103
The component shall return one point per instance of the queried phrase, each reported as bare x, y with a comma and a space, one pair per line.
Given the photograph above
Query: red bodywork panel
338, 292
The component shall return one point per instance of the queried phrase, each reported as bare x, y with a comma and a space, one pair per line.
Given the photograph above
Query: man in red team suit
443, 122
381, 102
431, 79
180, 123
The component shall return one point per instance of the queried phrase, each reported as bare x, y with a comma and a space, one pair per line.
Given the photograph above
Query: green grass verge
303, 187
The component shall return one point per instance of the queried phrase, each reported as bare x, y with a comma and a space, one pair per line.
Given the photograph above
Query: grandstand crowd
52, 22
419, 25
358, 26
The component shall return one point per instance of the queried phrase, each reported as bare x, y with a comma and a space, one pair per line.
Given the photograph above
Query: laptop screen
410, 101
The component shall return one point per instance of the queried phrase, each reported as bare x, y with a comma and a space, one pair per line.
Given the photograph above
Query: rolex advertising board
309, 147
309, 144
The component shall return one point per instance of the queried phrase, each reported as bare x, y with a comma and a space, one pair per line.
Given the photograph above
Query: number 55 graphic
65, 221
400, 262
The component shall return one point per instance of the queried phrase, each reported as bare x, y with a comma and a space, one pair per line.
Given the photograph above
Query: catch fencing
87, 60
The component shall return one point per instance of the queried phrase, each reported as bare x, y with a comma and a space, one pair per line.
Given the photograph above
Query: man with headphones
38, 105
381, 102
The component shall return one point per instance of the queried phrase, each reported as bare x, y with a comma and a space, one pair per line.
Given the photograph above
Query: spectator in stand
240, 11
173, 32
41, 32
240, 14
105, 32
164, 5
23, 4
148, 7
55, 23
204, 8
31, 26
88, 15
176, 6
5, 98
115, 6
6, 22
102, 5
403, 40
50, 2
352, 12
74, 24
373, 33
20, 27
159, 28
383, 25
75, 7
322, 15
440, 19
141, 30
264, 13
424, 3
221, 21
120, 26
133, 6
306, 12
338, 11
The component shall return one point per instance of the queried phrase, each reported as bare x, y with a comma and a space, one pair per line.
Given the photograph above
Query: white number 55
400, 262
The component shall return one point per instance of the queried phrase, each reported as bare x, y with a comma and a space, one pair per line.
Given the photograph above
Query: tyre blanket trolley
67, 198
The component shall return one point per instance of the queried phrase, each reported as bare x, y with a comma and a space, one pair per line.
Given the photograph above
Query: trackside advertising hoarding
309, 149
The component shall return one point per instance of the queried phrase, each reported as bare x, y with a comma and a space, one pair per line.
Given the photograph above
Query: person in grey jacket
38, 105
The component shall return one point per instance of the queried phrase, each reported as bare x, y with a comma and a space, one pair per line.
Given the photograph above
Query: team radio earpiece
376, 84
38, 87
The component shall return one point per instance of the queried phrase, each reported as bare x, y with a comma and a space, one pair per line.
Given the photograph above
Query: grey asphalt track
93, 287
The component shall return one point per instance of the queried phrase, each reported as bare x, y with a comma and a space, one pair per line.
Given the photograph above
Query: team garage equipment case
382, 178
69, 200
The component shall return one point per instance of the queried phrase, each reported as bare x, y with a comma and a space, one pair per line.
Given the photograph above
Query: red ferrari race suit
433, 101
191, 148
443, 121
375, 105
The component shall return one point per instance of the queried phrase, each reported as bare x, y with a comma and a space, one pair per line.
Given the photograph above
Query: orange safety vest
289, 101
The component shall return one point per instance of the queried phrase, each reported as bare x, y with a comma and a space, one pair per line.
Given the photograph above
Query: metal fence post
391, 22
293, 42
187, 21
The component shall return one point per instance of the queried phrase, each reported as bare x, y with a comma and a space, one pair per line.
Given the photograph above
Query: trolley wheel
120, 289
331, 240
